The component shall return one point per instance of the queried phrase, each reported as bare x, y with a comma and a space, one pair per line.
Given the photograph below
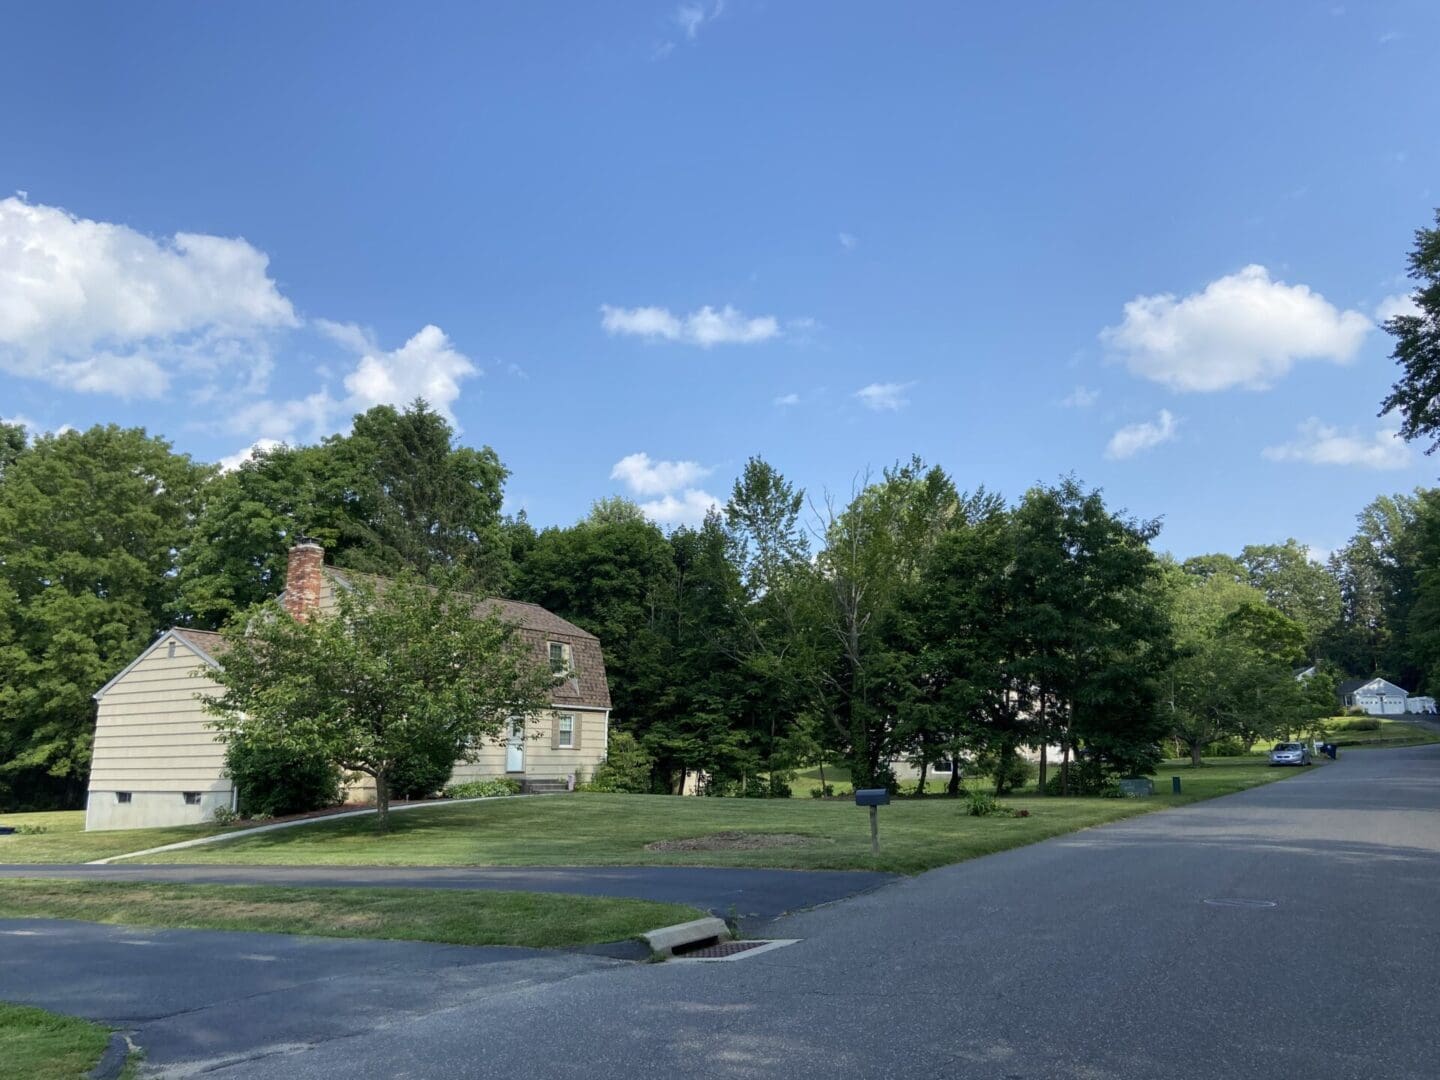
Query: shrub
424, 772
1368, 723
274, 781
489, 788
225, 816
824, 792
1006, 768
31, 830
1231, 747
980, 804
1086, 778
626, 767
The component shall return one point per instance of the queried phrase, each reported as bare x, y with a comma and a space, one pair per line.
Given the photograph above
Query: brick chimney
303, 579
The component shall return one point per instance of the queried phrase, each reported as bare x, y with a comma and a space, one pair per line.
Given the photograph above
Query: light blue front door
515, 748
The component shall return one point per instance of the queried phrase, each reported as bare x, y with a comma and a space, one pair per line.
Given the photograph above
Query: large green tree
411, 671
1094, 636
395, 493
874, 551
1416, 394
91, 523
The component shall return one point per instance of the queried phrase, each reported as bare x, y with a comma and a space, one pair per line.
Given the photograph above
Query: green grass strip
40, 1045
453, 916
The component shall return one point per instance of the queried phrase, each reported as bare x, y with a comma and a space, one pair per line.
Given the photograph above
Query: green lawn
66, 841
1391, 733
607, 830
38, 1045
455, 916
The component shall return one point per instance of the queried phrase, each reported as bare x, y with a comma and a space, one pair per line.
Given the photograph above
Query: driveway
198, 999
751, 895
1094, 955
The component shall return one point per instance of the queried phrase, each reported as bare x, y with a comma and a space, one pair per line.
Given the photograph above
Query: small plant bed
40, 1045
452, 916
735, 841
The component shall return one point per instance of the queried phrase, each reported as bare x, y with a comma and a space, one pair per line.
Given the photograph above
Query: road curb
664, 940
112, 1061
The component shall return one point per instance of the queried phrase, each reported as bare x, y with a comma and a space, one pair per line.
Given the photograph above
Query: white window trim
561, 732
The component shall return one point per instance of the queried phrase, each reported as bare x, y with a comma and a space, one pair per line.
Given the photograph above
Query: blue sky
629, 245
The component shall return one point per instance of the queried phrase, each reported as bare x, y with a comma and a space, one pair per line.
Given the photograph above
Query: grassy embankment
456, 916
608, 830
39, 1045
64, 839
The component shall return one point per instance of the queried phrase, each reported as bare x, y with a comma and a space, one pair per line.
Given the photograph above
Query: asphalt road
1090, 956
748, 894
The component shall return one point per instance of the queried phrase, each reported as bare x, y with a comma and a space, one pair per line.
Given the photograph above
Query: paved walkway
750, 895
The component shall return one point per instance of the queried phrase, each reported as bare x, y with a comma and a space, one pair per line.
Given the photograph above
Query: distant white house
1420, 705
1381, 697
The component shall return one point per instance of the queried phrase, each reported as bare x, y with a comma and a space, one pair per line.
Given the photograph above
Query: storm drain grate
732, 950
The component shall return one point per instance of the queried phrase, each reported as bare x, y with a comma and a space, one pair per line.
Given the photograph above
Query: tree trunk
1065, 770
823, 792
953, 790
1044, 744
920, 791
1195, 749
382, 802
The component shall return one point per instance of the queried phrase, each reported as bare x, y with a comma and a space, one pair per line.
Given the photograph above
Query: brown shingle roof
538, 626
208, 642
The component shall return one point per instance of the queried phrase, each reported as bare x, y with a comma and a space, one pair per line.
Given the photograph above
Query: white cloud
848, 241
1134, 438
310, 417
1321, 444
33, 428
884, 397
679, 501
786, 400
1082, 397
646, 477
426, 366
351, 335
101, 308
1399, 304
691, 17
231, 462
687, 508
705, 327
1240, 330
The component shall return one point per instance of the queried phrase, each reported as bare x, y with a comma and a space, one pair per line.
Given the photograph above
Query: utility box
1140, 785
873, 796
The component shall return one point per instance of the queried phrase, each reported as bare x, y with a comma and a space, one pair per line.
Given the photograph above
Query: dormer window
560, 658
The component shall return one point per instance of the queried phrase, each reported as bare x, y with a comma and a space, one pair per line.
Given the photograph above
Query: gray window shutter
575, 731
554, 731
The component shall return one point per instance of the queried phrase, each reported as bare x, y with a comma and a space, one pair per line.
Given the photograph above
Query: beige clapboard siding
151, 734
542, 762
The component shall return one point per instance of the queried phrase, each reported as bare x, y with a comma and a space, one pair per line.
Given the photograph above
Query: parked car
1289, 753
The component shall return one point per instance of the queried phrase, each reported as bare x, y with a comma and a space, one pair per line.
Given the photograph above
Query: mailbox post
874, 798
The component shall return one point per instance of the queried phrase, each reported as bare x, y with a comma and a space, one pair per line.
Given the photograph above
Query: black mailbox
873, 796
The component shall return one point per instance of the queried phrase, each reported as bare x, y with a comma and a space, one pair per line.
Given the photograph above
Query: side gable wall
152, 740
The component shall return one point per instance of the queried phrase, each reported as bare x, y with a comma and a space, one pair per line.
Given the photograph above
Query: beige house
156, 761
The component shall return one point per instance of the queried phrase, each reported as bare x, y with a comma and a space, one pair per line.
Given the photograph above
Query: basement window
192, 798
122, 796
